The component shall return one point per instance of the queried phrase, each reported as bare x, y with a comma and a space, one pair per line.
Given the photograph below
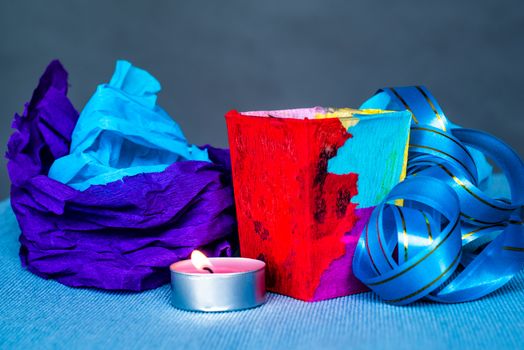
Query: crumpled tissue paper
134, 211
121, 132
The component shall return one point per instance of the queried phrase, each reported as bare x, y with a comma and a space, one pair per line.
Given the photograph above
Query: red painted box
293, 213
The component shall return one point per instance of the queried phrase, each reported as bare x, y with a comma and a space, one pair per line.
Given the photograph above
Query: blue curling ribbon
449, 241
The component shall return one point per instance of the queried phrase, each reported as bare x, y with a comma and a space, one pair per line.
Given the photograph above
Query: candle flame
200, 261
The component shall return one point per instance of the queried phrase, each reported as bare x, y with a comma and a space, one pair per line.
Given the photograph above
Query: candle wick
208, 269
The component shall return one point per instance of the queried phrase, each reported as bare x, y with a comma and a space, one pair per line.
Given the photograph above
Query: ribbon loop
449, 242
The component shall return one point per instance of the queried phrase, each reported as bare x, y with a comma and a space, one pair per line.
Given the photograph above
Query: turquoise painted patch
376, 153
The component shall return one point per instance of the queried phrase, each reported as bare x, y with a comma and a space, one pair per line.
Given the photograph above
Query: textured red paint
291, 212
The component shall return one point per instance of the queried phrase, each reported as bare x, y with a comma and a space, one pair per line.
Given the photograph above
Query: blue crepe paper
123, 132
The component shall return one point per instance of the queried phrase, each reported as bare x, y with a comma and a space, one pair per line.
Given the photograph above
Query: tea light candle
217, 284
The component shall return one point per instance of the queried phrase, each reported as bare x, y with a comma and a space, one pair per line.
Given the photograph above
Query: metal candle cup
233, 284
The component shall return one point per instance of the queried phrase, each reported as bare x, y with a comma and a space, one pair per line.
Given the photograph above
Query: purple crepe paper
119, 236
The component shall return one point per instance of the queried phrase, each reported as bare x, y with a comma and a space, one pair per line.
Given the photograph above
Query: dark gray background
212, 56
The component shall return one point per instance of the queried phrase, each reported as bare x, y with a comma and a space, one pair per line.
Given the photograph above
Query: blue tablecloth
43, 314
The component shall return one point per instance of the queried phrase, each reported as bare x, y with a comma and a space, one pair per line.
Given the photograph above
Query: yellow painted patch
348, 116
400, 202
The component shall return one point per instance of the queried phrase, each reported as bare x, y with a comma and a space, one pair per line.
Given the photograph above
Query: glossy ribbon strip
449, 241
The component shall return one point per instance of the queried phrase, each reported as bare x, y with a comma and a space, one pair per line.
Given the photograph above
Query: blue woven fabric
36, 313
